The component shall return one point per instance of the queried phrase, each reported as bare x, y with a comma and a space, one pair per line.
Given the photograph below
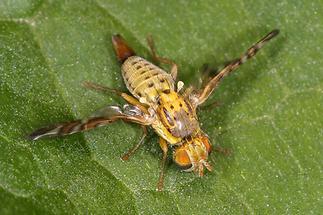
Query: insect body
157, 101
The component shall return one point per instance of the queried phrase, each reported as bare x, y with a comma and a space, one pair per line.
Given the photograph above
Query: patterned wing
101, 117
213, 83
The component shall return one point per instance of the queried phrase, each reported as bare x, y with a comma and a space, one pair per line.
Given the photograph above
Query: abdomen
144, 80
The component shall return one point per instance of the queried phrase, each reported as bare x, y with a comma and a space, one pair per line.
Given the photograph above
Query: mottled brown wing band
69, 128
102, 117
212, 84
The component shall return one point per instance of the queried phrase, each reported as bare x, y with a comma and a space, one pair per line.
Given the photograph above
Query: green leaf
270, 112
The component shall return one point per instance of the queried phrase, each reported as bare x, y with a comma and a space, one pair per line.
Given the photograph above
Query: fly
156, 100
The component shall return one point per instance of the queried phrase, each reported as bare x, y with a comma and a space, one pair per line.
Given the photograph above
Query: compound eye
182, 159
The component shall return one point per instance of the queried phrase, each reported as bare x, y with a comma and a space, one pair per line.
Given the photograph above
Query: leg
213, 83
130, 99
134, 149
211, 106
164, 147
206, 73
158, 59
188, 91
222, 150
100, 88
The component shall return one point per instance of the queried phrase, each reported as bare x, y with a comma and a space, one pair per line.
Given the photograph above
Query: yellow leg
164, 147
134, 149
159, 59
130, 99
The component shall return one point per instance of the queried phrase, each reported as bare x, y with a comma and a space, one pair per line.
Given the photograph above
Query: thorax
176, 119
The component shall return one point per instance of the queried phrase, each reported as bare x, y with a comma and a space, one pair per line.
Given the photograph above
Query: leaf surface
270, 112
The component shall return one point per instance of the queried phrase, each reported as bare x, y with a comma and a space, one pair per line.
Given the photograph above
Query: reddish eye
181, 158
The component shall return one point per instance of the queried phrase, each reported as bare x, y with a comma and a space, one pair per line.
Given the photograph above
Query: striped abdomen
145, 80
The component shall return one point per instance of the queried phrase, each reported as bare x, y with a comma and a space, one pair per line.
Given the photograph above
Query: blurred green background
270, 112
